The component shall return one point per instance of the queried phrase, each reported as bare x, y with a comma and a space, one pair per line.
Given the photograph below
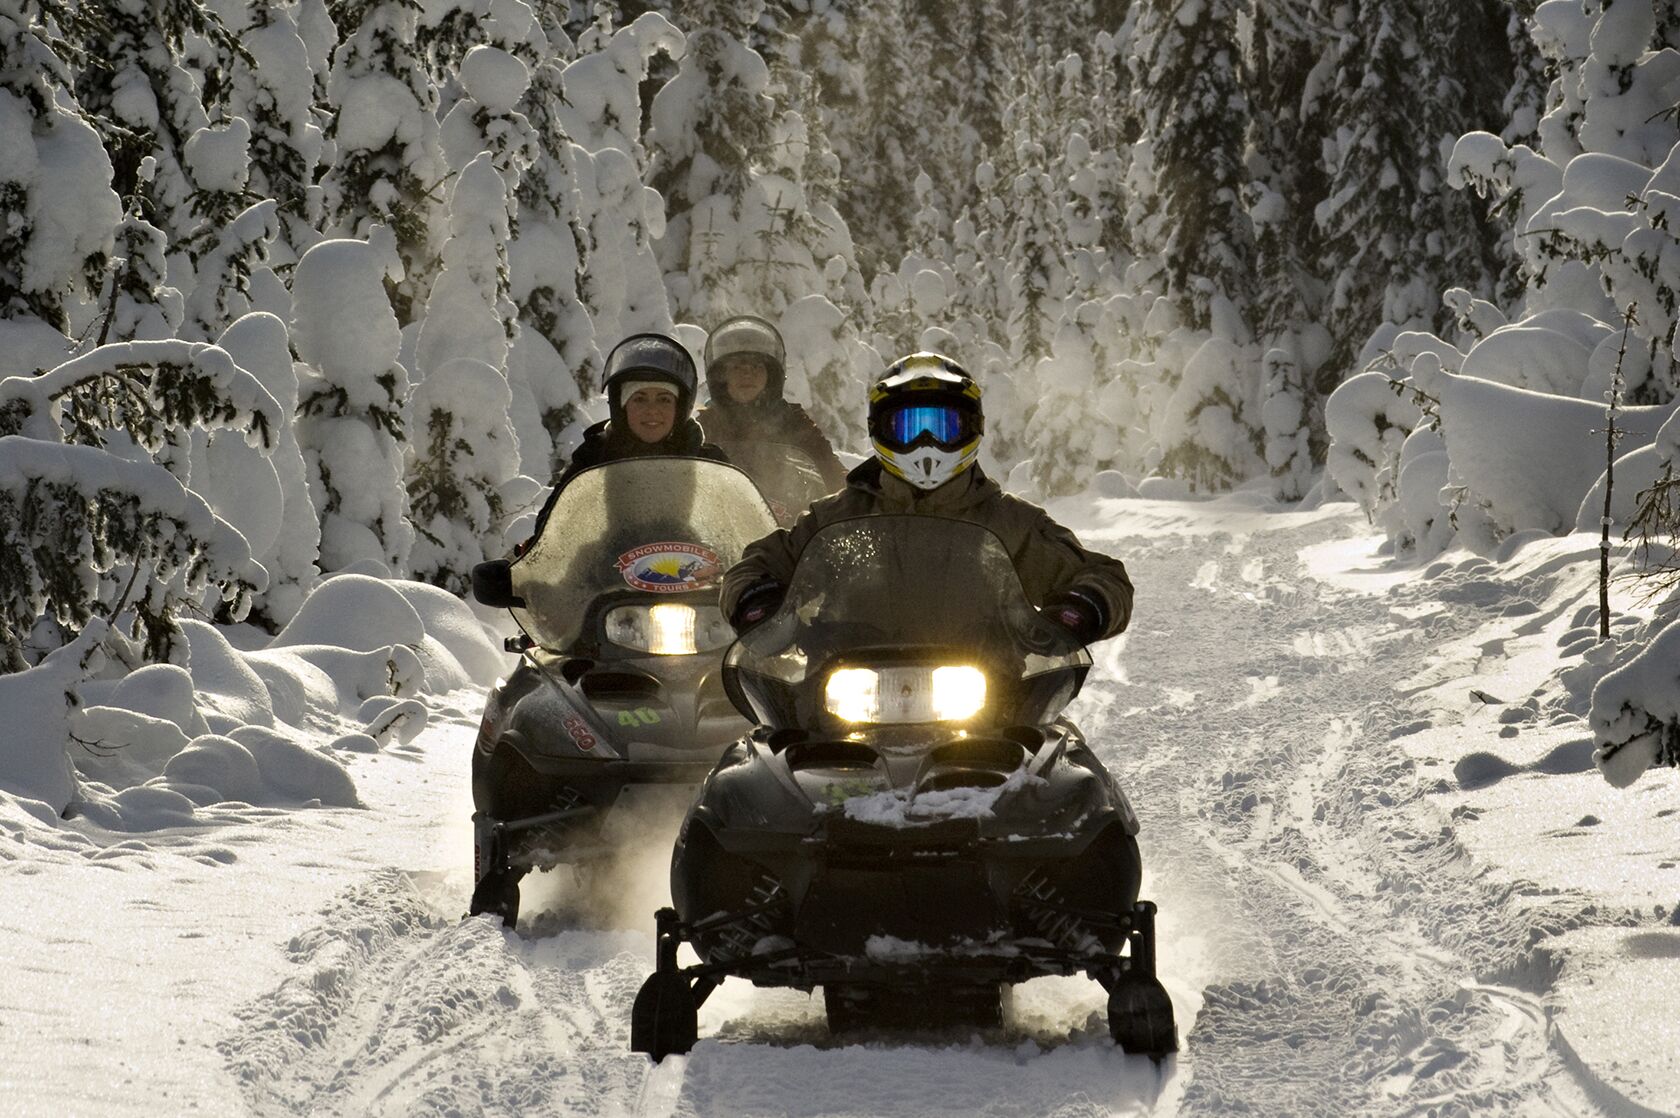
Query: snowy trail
1330, 947
1351, 955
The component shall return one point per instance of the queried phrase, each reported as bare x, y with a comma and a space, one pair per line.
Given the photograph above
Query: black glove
760, 601
1079, 612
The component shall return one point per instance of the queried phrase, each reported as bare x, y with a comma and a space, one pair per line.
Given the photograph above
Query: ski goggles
944, 425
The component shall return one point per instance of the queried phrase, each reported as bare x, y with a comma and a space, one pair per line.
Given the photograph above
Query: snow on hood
901, 808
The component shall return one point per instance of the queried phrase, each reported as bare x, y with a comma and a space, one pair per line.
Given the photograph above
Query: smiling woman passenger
649, 381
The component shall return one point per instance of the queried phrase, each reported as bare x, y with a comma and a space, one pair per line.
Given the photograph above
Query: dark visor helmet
745, 334
641, 358
925, 420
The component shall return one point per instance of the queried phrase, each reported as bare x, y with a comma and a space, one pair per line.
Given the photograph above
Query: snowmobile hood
975, 790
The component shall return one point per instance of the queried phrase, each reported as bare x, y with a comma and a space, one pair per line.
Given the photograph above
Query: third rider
756, 425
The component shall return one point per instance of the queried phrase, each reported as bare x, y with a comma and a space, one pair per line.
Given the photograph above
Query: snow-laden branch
1636, 712
69, 514
152, 391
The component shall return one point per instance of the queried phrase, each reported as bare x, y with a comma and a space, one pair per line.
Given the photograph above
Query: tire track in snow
399, 1009
1348, 950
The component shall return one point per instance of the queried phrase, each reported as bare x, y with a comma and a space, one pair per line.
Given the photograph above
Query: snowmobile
910, 826
617, 696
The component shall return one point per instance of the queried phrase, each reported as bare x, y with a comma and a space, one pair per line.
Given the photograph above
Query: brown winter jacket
741, 428
1047, 556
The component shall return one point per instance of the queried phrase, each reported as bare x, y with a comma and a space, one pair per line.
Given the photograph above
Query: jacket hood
968, 489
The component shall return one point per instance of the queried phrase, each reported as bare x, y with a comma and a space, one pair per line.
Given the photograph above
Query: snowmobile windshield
637, 530
900, 595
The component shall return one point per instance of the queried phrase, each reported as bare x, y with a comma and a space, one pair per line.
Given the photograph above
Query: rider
925, 423
745, 374
649, 380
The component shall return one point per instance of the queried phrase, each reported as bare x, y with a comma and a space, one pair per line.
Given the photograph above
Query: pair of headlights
903, 693
906, 693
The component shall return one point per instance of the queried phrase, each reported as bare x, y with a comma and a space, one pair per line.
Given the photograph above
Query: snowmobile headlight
911, 693
668, 629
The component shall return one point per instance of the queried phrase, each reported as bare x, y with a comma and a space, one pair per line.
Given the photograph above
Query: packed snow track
1331, 949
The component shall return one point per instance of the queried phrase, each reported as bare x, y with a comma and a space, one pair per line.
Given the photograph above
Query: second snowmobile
911, 826
617, 696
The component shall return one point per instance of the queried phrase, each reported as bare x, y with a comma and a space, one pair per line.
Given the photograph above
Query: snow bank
142, 749
367, 614
1636, 712
34, 763
1429, 447
1530, 457
1531, 354
355, 612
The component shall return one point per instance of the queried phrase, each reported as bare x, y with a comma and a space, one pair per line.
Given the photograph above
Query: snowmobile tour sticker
670, 567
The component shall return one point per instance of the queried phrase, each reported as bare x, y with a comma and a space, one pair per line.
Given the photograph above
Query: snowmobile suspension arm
510, 825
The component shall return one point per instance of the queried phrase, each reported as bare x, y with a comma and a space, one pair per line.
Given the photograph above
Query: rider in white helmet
750, 418
925, 423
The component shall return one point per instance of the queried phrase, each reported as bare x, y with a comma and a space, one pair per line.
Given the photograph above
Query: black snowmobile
910, 826
617, 695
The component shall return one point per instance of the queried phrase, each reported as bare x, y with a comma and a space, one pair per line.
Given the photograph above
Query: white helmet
925, 420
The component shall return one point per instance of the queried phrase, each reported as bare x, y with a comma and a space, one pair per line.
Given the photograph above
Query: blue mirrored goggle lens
942, 421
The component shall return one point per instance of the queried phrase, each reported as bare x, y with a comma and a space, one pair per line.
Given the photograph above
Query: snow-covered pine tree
71, 514
711, 127
1387, 170
140, 305
1363, 219
1466, 71
985, 47
272, 88
1111, 132
1191, 84
465, 452
98, 520
1070, 435
816, 74
351, 400
57, 209
388, 167
556, 362
149, 100
282, 529
230, 241
1038, 281
465, 449
602, 110
804, 149
1286, 131
887, 145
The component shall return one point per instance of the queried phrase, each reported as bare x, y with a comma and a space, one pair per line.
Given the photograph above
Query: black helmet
649, 357
746, 333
